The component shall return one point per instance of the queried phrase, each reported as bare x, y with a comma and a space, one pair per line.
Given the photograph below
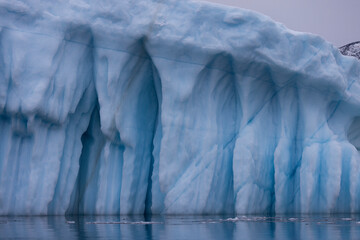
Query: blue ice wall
172, 107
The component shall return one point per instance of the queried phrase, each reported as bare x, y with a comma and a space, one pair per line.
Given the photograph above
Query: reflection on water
181, 227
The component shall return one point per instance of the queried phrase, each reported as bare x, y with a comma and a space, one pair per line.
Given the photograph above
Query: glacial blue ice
172, 107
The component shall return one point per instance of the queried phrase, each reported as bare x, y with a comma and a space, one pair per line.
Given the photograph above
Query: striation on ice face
176, 107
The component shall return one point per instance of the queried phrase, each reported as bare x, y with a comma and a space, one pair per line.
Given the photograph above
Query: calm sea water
181, 227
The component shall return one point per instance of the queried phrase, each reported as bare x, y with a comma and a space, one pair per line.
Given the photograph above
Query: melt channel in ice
172, 107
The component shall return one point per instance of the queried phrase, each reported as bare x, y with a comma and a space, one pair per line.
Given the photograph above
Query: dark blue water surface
181, 227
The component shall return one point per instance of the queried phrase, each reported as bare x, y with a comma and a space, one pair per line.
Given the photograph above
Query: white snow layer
172, 107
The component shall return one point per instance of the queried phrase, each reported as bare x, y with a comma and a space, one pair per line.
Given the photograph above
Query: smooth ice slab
176, 107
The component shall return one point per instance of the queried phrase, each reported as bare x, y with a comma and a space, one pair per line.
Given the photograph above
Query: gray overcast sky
337, 21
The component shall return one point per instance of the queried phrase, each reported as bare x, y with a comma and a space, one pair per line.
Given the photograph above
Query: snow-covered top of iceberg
183, 31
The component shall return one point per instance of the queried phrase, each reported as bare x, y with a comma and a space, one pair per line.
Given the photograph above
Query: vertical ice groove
132, 75
228, 116
156, 197
253, 169
205, 88
77, 108
140, 96
84, 193
286, 155
154, 143
3, 69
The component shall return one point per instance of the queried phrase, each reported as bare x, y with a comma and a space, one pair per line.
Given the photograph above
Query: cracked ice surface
172, 107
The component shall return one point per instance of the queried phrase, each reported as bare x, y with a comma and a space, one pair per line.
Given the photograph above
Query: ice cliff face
178, 107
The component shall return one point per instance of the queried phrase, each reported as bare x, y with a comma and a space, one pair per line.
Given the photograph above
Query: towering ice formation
172, 107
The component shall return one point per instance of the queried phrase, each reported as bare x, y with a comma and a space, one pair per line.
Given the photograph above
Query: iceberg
172, 107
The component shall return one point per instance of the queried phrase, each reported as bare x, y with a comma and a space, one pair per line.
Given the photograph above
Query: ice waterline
172, 107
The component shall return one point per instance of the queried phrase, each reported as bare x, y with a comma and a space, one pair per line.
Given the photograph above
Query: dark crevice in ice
93, 141
353, 133
156, 87
83, 102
